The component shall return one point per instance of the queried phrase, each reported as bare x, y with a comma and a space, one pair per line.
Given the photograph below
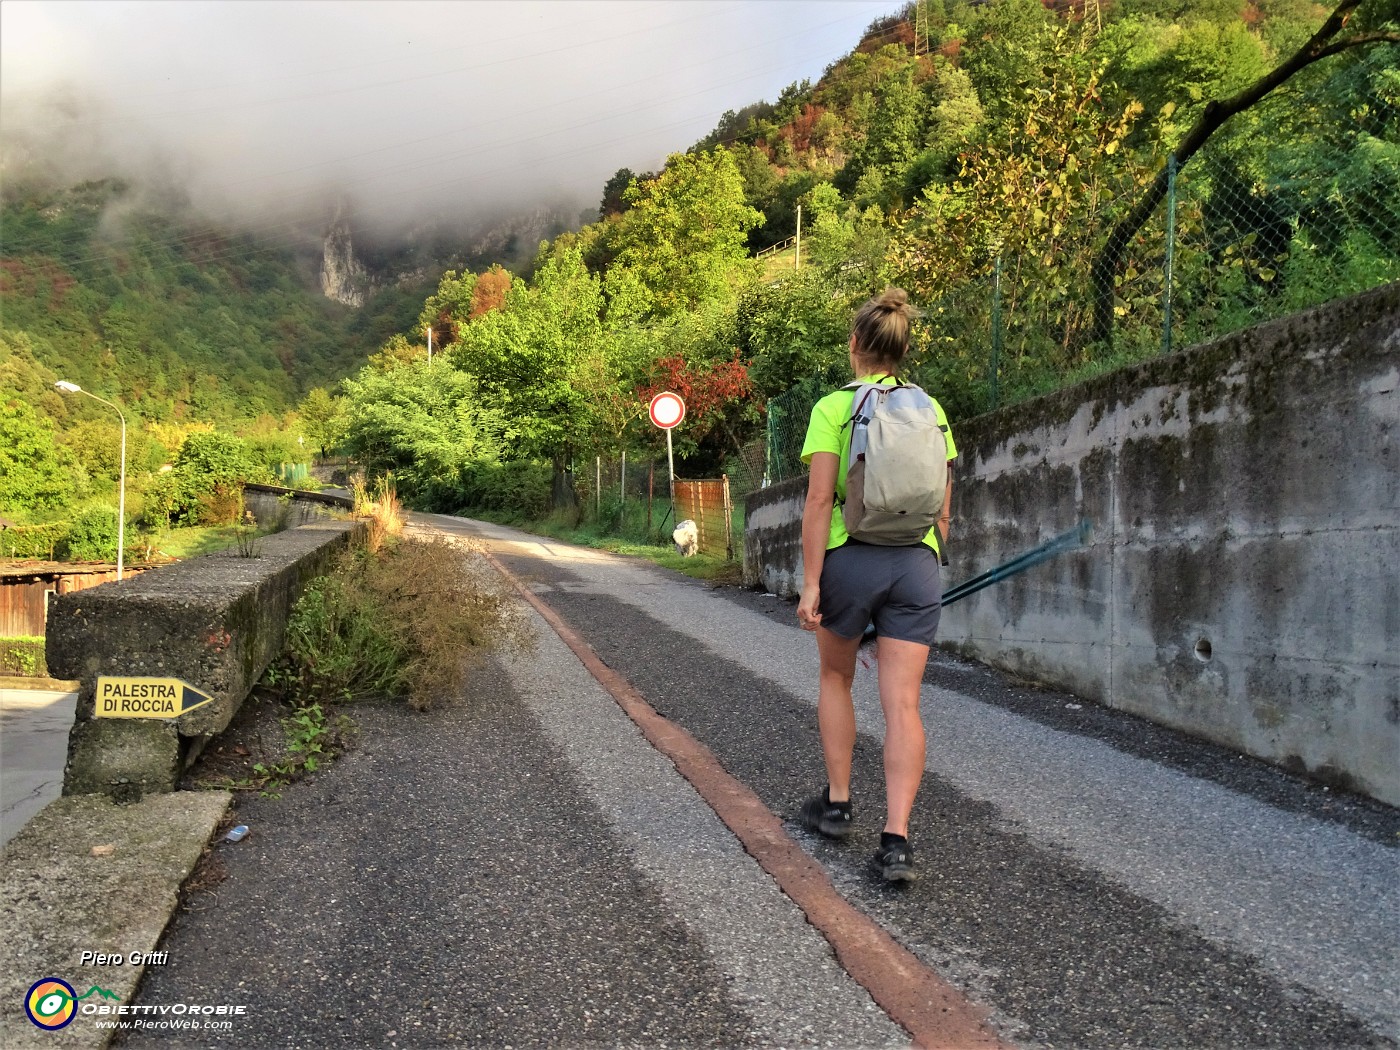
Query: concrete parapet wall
1241, 585
214, 622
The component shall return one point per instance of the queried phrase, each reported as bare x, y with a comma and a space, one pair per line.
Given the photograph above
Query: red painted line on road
937, 1015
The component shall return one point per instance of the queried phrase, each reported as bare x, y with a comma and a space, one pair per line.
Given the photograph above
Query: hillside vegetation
179, 320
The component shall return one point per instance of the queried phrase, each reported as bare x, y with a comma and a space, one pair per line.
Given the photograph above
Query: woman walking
847, 584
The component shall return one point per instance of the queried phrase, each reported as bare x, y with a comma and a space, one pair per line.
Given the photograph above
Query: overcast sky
414, 108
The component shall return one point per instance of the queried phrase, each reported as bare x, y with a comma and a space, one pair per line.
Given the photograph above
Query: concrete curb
59, 899
52, 685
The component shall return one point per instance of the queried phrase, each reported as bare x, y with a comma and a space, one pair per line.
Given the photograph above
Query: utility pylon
921, 28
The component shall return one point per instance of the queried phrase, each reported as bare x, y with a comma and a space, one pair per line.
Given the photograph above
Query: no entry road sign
667, 410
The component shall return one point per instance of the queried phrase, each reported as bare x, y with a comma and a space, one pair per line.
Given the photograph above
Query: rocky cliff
343, 277
352, 275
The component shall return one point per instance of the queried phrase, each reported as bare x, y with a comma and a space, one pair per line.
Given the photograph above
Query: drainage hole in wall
1203, 650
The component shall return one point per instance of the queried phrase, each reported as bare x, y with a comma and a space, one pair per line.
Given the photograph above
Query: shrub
407, 621
35, 542
382, 514
23, 656
519, 487
91, 536
222, 505
205, 484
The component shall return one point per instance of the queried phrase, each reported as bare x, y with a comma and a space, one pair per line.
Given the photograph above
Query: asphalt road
523, 869
34, 725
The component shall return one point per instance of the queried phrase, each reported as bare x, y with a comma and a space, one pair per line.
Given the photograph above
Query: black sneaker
832, 819
895, 859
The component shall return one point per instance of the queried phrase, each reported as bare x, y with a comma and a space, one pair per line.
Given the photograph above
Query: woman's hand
807, 608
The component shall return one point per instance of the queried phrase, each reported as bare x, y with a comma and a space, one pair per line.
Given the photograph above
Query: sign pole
667, 410
671, 473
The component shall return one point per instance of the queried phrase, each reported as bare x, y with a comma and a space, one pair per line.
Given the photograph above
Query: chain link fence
1254, 227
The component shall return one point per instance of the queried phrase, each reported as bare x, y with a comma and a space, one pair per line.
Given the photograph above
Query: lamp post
74, 388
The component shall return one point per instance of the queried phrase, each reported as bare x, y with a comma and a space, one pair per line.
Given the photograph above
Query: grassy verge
196, 540
394, 619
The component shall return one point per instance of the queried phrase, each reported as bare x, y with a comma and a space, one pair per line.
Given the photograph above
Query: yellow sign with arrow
147, 698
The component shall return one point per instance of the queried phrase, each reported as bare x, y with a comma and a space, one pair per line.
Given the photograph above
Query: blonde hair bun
881, 327
897, 300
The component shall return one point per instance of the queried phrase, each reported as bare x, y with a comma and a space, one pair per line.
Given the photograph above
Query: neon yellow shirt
828, 432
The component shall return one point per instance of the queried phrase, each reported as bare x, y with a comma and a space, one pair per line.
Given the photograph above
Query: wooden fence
707, 504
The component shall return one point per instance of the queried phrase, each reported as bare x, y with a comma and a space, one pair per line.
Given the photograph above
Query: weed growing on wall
407, 620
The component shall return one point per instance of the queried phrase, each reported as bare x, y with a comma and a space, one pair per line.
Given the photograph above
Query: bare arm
816, 529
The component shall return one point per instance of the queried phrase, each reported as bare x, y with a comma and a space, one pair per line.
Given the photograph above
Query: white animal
687, 538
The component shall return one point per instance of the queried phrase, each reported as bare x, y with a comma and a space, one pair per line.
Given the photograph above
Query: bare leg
901, 674
836, 716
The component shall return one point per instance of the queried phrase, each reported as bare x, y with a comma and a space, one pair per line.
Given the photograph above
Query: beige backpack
898, 468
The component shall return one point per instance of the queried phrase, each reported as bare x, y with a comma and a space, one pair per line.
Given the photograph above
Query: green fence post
770, 452
1171, 251
996, 334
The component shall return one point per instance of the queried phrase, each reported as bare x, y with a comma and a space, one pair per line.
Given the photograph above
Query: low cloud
268, 113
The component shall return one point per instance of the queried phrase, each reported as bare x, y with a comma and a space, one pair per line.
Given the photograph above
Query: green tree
1353, 25
34, 474
531, 356
615, 193
795, 330
685, 237
205, 481
321, 419
1007, 50
448, 308
424, 425
92, 536
1038, 194
894, 139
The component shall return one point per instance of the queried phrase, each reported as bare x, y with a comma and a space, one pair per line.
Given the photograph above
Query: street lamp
74, 388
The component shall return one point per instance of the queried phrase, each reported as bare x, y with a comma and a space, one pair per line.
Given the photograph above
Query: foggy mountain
427, 127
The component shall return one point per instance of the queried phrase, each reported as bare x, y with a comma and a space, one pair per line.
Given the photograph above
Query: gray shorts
896, 588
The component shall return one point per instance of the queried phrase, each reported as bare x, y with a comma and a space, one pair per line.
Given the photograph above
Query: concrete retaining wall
1242, 583
773, 537
214, 622
274, 507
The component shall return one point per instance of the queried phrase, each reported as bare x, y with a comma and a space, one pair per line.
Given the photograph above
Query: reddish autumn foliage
28, 278
893, 29
710, 394
490, 292
800, 130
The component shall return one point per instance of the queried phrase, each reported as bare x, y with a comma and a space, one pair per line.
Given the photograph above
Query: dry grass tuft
410, 619
383, 514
